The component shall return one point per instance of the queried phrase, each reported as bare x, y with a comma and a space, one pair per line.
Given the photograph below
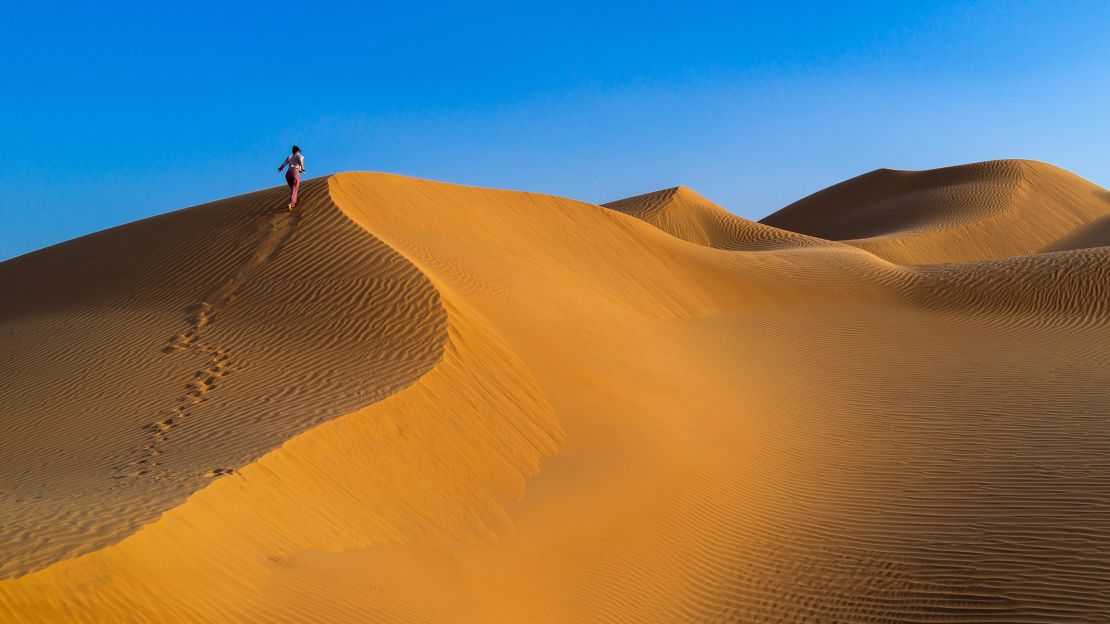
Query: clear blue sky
111, 112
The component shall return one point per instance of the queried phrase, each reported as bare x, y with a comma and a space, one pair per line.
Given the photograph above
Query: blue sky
111, 112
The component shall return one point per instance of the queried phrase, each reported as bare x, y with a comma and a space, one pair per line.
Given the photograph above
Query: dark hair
296, 150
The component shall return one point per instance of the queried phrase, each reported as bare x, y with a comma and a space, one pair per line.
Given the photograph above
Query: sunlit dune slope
646, 412
969, 212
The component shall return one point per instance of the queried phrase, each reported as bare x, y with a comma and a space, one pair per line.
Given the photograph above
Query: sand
996, 209
421, 402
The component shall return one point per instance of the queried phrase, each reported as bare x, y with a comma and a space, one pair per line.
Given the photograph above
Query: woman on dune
295, 162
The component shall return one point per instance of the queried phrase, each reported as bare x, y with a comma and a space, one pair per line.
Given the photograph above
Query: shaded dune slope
684, 214
1094, 234
623, 426
157, 355
969, 212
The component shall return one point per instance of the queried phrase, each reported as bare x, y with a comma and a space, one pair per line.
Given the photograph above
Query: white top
293, 161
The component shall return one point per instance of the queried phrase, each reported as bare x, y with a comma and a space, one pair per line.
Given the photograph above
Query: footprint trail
271, 236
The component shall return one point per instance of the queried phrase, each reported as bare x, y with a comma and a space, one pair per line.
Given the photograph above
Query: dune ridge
638, 412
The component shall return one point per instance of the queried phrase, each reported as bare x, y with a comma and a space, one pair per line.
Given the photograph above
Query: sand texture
413, 401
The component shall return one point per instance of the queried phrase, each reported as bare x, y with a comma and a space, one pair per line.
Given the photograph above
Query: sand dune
151, 357
970, 212
422, 402
682, 213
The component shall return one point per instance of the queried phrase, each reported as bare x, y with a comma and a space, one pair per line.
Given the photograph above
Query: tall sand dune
421, 402
154, 356
970, 212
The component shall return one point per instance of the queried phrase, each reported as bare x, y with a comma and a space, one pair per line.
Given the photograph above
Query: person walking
295, 162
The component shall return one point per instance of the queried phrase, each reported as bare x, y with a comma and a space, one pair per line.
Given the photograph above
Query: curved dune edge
435, 463
148, 359
978, 211
741, 424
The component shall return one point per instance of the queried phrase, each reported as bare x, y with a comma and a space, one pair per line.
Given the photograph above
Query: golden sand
421, 402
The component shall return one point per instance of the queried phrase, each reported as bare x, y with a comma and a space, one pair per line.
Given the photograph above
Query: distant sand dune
424, 402
970, 212
684, 214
